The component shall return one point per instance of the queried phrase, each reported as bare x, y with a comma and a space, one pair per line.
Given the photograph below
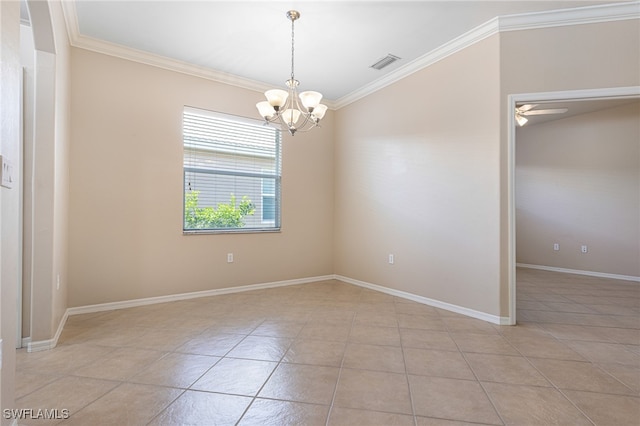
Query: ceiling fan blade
546, 111
525, 108
521, 120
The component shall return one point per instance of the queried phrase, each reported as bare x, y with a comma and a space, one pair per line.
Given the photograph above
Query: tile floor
332, 353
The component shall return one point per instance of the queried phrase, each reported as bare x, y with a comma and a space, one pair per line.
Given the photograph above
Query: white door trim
567, 95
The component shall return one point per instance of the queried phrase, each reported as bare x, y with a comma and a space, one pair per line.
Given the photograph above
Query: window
231, 173
268, 200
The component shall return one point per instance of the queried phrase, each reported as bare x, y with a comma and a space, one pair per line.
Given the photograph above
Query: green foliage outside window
225, 215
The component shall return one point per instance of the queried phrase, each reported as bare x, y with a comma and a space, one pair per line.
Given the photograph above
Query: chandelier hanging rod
293, 15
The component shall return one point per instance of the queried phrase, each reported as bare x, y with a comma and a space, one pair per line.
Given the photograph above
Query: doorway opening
577, 98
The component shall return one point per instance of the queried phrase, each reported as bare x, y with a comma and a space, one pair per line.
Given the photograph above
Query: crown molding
128, 53
576, 16
112, 49
119, 51
467, 39
518, 22
70, 15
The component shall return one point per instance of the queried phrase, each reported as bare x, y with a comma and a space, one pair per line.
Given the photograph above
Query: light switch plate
6, 173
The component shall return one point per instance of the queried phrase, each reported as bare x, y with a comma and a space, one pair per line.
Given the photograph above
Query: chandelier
294, 112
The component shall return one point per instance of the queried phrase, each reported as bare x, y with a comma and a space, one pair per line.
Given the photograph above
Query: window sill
229, 231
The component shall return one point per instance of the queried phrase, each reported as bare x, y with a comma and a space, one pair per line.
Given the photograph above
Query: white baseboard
494, 319
579, 272
44, 345
25, 342
193, 295
41, 345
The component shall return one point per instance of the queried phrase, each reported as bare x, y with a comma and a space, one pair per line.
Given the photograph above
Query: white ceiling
336, 41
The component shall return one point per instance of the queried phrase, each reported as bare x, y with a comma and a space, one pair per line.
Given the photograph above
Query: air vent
384, 62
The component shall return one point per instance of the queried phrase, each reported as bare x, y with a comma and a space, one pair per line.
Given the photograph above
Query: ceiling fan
528, 109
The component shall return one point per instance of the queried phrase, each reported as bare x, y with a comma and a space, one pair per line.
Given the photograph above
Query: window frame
275, 224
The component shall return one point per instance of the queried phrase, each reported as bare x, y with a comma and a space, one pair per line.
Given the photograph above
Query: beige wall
570, 58
125, 208
574, 57
422, 175
417, 175
578, 182
9, 198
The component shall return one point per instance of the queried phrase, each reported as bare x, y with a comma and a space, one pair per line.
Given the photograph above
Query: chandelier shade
292, 111
276, 97
310, 99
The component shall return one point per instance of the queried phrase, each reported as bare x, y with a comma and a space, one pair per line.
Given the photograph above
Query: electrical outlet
391, 259
229, 257
584, 249
556, 246
7, 177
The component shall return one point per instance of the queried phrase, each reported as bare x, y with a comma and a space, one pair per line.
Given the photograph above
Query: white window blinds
231, 173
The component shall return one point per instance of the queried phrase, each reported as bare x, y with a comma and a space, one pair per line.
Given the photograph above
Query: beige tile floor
332, 353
